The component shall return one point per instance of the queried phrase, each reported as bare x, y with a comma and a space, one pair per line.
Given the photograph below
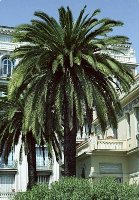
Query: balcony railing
94, 144
6, 195
9, 165
7, 46
44, 165
111, 144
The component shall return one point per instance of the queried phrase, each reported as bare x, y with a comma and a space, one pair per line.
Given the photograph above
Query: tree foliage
66, 71
12, 133
72, 56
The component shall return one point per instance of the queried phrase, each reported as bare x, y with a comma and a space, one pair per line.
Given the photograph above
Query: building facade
116, 153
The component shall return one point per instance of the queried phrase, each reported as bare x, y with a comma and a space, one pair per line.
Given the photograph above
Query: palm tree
66, 70
12, 131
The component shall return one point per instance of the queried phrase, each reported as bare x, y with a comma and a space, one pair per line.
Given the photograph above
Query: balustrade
94, 143
111, 145
6, 195
12, 164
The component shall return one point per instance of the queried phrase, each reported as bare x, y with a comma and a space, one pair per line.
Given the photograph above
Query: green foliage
105, 189
65, 189
108, 188
71, 188
64, 60
38, 192
130, 191
81, 189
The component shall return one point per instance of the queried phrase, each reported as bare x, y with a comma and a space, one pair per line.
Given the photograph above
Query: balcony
44, 165
12, 164
6, 195
43, 162
7, 46
47, 166
117, 145
94, 144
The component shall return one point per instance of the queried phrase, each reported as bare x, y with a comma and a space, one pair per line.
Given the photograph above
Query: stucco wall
92, 165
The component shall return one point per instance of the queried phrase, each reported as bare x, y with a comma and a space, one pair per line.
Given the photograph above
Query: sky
15, 12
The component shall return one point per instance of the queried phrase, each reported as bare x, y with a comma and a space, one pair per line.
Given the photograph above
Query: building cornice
6, 30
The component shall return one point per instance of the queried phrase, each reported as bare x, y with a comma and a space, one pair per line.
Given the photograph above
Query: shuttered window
110, 168
43, 179
7, 182
40, 160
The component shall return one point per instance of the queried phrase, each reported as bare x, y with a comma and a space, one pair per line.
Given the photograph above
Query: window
115, 133
10, 163
5, 38
7, 182
128, 125
110, 168
43, 179
42, 161
7, 67
137, 117
97, 129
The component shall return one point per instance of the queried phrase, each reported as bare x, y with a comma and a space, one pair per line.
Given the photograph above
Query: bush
81, 189
38, 192
130, 192
71, 189
64, 189
107, 188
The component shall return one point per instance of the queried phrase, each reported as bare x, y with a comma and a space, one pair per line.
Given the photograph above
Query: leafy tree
66, 70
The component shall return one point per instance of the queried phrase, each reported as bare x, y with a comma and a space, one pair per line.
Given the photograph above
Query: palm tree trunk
31, 158
70, 153
69, 143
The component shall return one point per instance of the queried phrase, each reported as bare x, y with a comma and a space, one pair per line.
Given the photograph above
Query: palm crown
69, 56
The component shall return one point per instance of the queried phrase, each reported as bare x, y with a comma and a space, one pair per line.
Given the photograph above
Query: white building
115, 154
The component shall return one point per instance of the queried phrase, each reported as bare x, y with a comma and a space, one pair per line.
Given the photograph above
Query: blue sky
15, 12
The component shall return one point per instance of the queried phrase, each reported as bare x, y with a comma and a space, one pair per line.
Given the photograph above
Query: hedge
72, 188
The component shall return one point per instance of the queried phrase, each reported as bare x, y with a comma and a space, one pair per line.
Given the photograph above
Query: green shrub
107, 188
65, 189
130, 192
38, 192
81, 189
71, 189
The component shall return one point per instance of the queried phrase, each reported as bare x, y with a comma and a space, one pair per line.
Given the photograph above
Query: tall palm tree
66, 70
12, 132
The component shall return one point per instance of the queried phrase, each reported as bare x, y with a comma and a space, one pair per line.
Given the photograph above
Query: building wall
84, 167
110, 161
109, 153
117, 148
